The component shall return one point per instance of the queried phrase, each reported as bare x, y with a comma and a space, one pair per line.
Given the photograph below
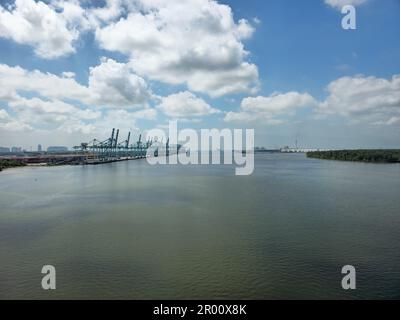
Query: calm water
131, 230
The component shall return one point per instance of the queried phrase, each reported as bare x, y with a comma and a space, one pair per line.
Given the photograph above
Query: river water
130, 230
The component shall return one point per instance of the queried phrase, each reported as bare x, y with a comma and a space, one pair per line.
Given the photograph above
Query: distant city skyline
16, 149
285, 68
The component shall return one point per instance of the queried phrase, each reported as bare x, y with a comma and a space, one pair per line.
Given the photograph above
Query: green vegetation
378, 156
10, 163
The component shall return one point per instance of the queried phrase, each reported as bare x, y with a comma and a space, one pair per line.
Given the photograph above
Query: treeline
10, 163
380, 156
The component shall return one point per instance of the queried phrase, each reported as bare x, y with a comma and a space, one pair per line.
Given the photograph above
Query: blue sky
285, 68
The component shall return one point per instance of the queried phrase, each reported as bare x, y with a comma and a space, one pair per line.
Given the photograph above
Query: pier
111, 150
96, 152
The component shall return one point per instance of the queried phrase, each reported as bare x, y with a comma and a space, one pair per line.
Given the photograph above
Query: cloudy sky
70, 71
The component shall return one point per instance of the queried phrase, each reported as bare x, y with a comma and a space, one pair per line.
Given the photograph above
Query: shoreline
11, 163
14, 164
376, 156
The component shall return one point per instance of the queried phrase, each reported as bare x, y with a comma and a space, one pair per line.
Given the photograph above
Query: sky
70, 71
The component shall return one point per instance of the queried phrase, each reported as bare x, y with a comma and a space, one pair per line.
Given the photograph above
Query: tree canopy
369, 155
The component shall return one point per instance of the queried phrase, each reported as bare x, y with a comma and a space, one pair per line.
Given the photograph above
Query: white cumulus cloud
269, 109
51, 33
111, 84
15, 79
115, 84
185, 104
195, 42
364, 98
